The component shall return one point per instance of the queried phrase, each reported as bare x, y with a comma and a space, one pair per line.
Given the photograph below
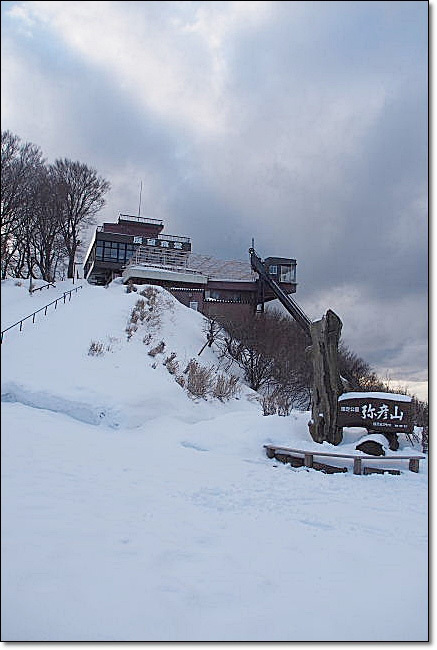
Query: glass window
273, 269
285, 274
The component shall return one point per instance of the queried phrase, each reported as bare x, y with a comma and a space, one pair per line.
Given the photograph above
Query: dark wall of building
227, 310
221, 309
132, 228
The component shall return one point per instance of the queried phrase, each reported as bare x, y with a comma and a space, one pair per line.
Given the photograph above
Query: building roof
221, 269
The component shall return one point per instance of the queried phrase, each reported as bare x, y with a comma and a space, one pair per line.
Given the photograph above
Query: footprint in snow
190, 445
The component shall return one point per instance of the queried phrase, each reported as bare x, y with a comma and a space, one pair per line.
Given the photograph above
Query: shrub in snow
171, 364
139, 312
269, 405
130, 287
145, 311
150, 293
199, 379
226, 387
283, 403
130, 329
157, 350
96, 349
202, 381
277, 401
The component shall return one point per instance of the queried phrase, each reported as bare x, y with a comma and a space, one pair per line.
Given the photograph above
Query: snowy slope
132, 512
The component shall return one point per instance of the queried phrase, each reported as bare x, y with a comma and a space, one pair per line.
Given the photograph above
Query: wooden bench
308, 458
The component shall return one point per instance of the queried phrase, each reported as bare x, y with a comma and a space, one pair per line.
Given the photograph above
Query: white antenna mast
139, 204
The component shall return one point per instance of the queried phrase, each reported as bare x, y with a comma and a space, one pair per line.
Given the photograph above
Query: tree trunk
71, 257
327, 385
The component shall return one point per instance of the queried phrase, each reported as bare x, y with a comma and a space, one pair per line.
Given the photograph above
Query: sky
303, 125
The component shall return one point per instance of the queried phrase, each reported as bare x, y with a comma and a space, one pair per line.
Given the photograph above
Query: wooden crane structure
323, 337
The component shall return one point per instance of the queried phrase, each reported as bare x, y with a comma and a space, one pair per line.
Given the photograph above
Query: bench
308, 458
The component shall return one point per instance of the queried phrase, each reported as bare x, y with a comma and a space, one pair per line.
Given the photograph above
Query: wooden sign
383, 412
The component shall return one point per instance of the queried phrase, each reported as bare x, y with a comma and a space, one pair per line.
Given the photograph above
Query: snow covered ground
131, 512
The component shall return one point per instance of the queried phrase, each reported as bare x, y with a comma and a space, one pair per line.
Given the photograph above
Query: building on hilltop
137, 249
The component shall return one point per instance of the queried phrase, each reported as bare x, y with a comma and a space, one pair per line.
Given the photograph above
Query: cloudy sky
301, 124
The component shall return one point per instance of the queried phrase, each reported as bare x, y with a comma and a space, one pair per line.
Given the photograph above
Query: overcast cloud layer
301, 124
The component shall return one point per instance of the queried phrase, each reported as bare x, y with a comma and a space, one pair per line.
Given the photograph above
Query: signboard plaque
382, 412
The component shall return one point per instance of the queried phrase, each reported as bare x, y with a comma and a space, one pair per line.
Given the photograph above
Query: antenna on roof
139, 204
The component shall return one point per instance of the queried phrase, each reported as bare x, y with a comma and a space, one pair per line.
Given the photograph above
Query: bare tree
80, 193
46, 240
249, 343
20, 164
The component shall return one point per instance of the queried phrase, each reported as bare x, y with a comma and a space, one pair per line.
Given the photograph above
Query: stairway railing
32, 316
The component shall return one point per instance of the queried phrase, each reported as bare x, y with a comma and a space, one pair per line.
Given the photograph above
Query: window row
111, 251
229, 296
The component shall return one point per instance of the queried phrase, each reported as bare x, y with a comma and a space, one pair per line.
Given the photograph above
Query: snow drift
134, 512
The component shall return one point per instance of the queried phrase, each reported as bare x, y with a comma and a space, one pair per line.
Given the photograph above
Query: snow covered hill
133, 512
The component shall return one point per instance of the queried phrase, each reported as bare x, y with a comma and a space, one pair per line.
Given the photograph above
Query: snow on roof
222, 269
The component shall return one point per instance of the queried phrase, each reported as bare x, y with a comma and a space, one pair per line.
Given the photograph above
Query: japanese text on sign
368, 411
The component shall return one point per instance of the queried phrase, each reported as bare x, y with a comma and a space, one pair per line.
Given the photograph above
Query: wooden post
308, 460
414, 465
327, 385
357, 466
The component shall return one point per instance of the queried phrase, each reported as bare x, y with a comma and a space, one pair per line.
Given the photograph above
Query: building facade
137, 249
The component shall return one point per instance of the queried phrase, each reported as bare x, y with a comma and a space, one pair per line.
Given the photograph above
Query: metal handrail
32, 316
50, 284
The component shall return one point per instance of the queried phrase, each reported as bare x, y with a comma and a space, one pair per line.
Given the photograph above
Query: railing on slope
32, 316
44, 286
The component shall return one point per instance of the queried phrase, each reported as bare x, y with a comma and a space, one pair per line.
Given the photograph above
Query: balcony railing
130, 217
183, 240
166, 267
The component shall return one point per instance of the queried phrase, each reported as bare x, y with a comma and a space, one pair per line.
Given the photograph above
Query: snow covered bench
308, 458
